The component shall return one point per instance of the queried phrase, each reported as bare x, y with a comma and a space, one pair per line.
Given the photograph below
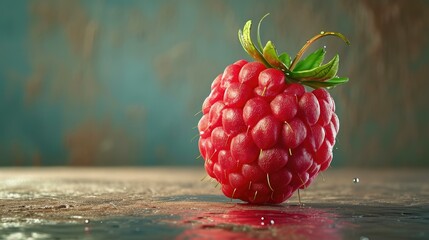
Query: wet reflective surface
239, 221
316, 222
245, 222
110, 228
156, 204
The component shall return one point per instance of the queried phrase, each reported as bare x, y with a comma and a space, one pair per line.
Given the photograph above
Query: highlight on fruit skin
263, 135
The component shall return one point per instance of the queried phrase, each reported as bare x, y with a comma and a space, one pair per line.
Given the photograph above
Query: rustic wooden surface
70, 195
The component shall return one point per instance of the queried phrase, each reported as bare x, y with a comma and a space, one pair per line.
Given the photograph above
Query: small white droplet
356, 180
87, 221
324, 47
262, 223
322, 32
287, 74
262, 218
272, 222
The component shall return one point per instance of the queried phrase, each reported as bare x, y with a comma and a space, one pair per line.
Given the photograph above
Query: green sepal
270, 55
309, 71
285, 58
313, 60
249, 47
326, 84
321, 73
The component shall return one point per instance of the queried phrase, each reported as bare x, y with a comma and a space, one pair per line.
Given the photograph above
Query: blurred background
119, 82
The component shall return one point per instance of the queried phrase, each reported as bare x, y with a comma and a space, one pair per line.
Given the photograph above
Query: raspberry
262, 134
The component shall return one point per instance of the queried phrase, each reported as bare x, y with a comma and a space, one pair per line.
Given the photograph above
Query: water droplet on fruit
87, 221
272, 222
356, 180
262, 218
262, 223
322, 32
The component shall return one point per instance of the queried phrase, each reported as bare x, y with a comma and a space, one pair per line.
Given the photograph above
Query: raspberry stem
312, 40
258, 35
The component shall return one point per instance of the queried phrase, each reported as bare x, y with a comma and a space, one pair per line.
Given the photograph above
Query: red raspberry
262, 135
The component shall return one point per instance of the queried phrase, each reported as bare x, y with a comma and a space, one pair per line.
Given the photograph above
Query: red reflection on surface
290, 223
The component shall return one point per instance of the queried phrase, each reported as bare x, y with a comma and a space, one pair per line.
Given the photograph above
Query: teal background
119, 82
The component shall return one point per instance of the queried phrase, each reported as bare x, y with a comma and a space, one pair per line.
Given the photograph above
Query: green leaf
311, 61
326, 84
246, 42
326, 71
270, 55
285, 58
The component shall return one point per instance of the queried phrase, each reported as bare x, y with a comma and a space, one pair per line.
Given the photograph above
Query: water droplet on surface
355, 180
262, 218
324, 47
322, 32
262, 223
87, 221
272, 222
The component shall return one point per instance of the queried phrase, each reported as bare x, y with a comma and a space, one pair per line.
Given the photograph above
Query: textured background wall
118, 82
